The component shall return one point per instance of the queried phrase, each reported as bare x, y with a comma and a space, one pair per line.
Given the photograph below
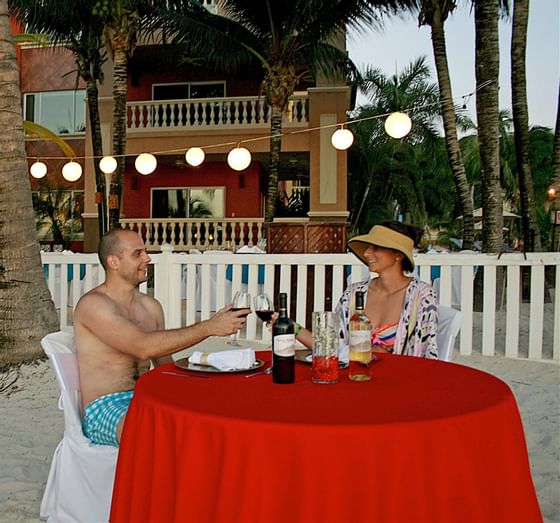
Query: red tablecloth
424, 441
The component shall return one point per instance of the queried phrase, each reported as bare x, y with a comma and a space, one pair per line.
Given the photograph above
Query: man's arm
101, 316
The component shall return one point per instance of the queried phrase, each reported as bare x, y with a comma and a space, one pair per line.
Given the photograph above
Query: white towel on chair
241, 359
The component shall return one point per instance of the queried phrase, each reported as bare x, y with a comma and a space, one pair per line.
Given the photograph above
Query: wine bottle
283, 344
360, 342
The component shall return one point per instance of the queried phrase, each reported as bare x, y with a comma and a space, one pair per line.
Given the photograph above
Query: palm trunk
97, 146
119, 133
487, 112
450, 128
274, 164
531, 234
556, 177
26, 310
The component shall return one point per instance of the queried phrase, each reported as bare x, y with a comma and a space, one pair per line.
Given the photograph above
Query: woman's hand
270, 323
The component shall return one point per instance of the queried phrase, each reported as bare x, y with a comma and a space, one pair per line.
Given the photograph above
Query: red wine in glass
264, 316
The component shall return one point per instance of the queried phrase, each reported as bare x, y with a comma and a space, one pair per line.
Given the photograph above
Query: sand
32, 426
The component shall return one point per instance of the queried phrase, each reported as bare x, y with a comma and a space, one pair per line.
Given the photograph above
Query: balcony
203, 234
212, 113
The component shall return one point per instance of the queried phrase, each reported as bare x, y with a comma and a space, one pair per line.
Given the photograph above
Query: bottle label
360, 340
284, 345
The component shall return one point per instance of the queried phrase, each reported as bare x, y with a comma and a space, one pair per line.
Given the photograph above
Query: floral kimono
417, 328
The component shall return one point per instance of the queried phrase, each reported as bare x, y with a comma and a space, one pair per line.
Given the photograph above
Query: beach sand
32, 426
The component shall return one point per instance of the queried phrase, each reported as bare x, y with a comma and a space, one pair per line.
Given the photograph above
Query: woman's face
381, 258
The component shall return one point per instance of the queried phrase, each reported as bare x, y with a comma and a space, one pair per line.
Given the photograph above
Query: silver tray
185, 364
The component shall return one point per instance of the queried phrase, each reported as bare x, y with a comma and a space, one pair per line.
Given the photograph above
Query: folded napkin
241, 359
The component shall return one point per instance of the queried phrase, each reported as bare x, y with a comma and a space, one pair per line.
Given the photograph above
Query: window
58, 213
187, 90
63, 112
185, 202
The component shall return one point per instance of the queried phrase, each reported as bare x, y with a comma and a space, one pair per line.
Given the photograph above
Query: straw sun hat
382, 237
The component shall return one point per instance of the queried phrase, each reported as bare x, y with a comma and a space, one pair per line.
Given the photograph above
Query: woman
402, 309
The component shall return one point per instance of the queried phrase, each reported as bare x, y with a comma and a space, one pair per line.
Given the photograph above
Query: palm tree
487, 64
120, 21
71, 24
290, 39
26, 308
435, 13
391, 167
531, 235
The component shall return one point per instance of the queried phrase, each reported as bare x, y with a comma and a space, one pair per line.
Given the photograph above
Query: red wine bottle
283, 344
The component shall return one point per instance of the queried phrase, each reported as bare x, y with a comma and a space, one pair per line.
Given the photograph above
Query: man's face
133, 260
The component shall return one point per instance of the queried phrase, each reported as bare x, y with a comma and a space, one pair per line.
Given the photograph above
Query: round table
423, 441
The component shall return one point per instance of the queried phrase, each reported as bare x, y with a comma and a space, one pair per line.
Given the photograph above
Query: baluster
145, 116
243, 112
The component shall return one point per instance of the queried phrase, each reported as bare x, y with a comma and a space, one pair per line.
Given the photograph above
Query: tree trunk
274, 164
531, 234
120, 85
487, 58
97, 147
26, 310
450, 128
556, 177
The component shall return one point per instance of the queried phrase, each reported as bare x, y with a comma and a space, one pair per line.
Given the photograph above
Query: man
119, 330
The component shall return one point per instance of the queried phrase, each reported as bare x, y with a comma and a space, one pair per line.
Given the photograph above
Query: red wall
242, 189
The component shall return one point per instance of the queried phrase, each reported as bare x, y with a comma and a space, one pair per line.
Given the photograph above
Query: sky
402, 41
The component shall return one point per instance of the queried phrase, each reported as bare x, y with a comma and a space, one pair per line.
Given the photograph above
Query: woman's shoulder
422, 288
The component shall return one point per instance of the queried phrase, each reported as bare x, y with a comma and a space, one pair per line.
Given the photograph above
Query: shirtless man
119, 330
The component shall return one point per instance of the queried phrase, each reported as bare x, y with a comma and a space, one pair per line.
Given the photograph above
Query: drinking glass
264, 307
241, 300
324, 364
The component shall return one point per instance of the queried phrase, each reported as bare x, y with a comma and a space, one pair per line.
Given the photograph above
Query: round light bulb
239, 158
342, 139
108, 164
398, 125
551, 192
71, 171
38, 169
195, 156
145, 163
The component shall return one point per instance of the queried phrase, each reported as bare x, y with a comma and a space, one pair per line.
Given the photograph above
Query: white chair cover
449, 323
80, 483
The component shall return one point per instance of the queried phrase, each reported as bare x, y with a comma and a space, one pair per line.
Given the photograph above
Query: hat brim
382, 237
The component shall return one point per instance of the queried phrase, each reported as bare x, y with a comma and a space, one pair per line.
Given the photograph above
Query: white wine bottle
360, 342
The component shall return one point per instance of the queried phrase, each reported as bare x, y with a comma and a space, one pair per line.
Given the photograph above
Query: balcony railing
212, 113
185, 234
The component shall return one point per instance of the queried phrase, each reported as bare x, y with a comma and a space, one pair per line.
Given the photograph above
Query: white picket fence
191, 287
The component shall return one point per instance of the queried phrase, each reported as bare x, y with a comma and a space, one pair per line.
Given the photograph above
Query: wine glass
241, 300
264, 308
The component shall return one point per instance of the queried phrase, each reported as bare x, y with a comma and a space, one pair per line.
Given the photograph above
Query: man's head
123, 251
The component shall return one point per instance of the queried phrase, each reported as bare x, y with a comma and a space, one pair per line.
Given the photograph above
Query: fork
184, 375
266, 371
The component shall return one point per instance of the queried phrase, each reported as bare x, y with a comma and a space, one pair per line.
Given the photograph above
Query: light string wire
238, 143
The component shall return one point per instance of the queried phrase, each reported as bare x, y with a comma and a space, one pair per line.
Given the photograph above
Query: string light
108, 164
398, 125
342, 139
145, 163
239, 158
71, 171
195, 156
38, 169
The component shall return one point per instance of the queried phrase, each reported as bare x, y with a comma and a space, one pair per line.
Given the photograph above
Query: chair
449, 323
80, 483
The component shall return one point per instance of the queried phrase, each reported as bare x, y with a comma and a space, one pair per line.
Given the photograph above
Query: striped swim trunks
102, 416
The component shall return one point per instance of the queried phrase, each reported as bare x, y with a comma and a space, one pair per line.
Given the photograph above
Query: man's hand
226, 322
